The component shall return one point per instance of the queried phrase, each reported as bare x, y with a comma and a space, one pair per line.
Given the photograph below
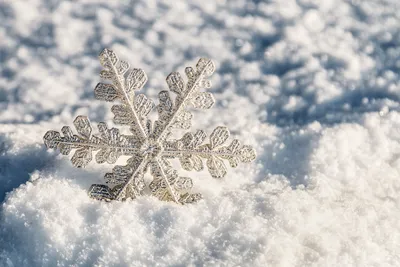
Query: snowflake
149, 145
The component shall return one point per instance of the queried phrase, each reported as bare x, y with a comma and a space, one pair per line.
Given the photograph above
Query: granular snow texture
313, 85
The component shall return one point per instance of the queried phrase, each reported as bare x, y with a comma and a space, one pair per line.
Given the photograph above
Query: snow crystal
313, 85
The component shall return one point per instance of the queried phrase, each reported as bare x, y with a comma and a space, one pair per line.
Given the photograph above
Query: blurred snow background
313, 85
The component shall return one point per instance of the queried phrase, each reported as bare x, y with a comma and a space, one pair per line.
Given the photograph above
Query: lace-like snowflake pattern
149, 146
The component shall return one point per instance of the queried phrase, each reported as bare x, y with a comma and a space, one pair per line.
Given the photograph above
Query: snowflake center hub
150, 148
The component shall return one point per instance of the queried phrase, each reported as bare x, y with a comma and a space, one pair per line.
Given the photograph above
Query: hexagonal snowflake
149, 146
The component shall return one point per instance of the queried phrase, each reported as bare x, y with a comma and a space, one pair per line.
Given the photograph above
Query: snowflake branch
164, 176
109, 60
190, 151
196, 80
174, 153
79, 143
161, 186
111, 143
142, 163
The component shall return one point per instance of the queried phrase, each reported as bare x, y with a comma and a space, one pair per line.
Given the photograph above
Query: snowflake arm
168, 186
133, 186
125, 181
110, 144
134, 110
174, 114
190, 151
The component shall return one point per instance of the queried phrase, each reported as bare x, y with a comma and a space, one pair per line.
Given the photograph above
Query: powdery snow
313, 85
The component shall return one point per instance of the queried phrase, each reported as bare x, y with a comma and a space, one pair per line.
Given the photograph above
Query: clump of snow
314, 85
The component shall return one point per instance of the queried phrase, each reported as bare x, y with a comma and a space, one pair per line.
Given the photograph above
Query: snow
313, 85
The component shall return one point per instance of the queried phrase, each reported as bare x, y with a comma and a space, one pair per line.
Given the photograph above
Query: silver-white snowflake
149, 145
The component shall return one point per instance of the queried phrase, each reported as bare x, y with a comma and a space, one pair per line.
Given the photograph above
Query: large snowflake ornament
149, 145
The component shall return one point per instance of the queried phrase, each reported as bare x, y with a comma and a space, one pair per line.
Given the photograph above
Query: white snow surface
313, 85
